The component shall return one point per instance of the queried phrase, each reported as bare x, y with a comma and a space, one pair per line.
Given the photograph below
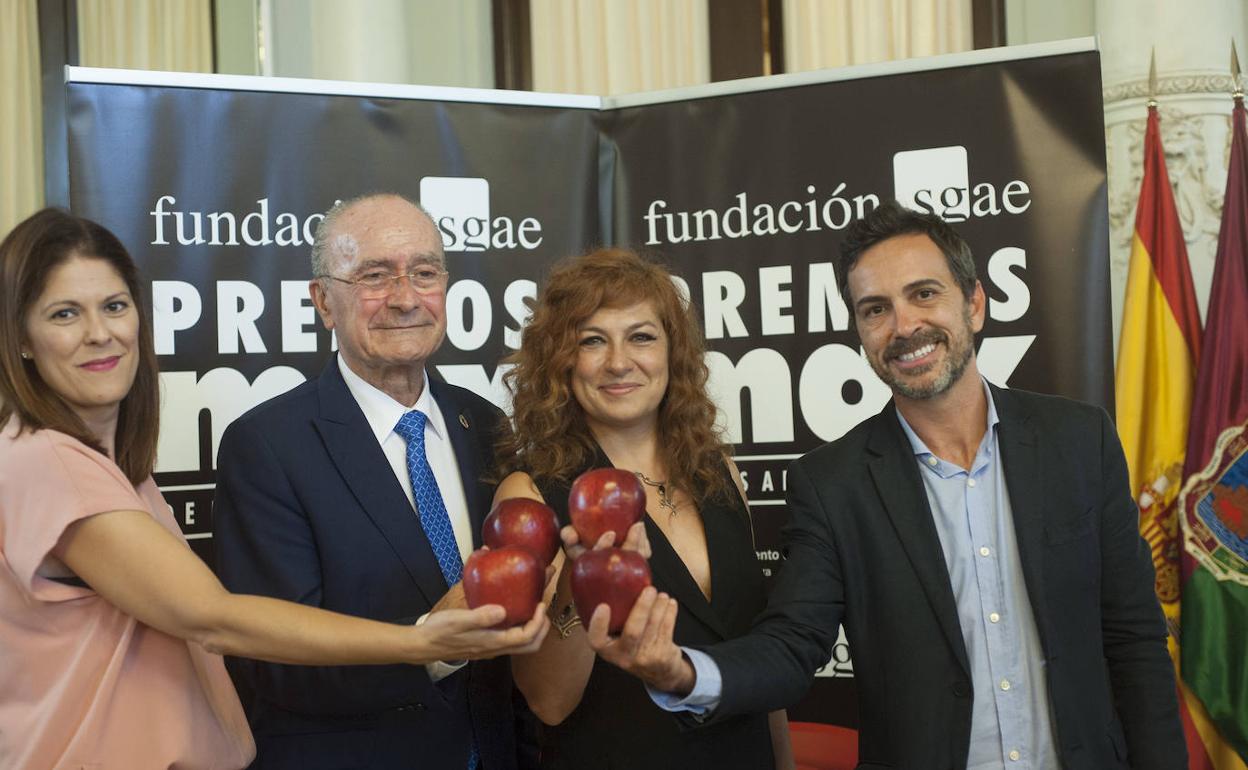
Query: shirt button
932, 460
970, 482
1005, 684
983, 550
994, 617
1014, 755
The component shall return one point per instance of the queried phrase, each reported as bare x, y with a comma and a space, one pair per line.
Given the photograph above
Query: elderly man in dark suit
362, 491
980, 546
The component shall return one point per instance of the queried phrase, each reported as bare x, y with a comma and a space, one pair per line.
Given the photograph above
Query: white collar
382, 412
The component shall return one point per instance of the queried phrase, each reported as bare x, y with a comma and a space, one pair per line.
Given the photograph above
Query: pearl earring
25, 355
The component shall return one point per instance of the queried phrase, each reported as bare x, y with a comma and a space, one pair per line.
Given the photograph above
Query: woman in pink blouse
111, 629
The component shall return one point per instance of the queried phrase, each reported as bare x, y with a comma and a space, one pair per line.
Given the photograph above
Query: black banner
217, 193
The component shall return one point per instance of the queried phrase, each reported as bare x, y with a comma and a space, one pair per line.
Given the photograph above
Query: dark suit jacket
307, 509
862, 549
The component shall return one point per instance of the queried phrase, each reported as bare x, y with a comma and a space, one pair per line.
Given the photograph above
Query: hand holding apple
463, 634
644, 648
636, 541
509, 576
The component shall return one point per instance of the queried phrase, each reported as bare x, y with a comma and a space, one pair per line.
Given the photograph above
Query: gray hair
325, 244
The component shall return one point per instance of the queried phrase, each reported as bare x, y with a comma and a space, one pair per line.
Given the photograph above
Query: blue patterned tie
432, 511
429, 505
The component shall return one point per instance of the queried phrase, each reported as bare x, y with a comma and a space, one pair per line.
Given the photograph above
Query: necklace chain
665, 498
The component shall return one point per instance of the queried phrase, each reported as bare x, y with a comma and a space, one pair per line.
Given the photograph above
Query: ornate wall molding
1195, 131
1192, 41
1194, 83
1198, 192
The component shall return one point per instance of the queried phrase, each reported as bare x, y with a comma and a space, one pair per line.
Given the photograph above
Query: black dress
616, 725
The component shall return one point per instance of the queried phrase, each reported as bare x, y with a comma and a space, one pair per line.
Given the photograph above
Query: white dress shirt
382, 413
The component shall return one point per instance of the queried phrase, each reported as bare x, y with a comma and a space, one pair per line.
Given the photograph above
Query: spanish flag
1158, 353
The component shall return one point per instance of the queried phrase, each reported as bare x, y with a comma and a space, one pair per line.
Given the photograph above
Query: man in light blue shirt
979, 545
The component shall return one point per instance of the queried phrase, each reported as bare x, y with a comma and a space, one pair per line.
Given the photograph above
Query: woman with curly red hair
610, 373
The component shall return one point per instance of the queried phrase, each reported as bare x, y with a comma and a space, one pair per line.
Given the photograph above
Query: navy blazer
308, 509
862, 550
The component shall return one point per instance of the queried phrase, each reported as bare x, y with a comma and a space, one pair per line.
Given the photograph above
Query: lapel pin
463, 421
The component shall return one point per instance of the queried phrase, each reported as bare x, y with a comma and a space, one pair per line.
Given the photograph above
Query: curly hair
552, 440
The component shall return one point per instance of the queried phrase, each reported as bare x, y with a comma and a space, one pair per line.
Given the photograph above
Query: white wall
425, 42
1038, 21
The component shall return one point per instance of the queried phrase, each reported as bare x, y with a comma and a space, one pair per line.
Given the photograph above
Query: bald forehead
379, 211
385, 228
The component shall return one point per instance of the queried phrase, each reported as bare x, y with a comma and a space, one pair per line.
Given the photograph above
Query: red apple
610, 576
605, 500
510, 576
525, 523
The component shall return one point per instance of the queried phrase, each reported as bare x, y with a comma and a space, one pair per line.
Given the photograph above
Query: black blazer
307, 509
616, 725
862, 549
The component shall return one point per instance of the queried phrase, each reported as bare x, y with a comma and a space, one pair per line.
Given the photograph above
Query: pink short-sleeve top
82, 684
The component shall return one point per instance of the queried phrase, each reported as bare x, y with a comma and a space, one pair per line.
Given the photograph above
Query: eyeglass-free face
384, 242
917, 328
621, 370
82, 335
